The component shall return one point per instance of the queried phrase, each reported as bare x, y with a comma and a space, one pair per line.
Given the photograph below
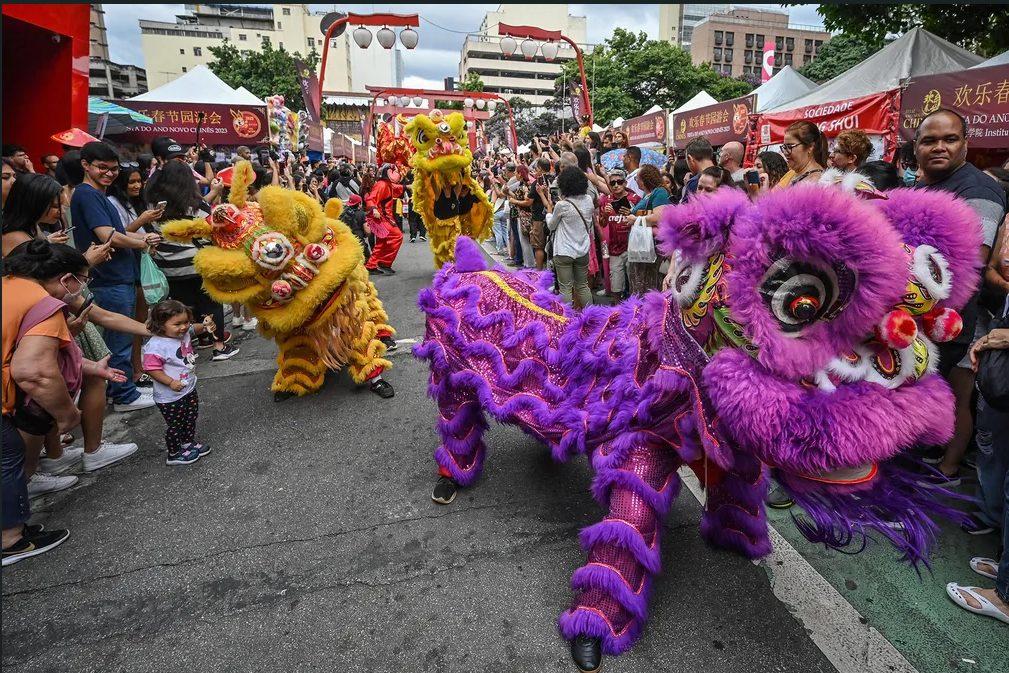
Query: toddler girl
169, 358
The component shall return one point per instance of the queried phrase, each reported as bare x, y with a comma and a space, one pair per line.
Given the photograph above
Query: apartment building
105, 77
171, 49
531, 79
677, 21
733, 41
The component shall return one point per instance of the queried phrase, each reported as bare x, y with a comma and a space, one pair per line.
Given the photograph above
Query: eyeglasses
108, 170
786, 148
617, 183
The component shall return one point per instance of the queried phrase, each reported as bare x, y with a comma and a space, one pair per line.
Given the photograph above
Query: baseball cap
166, 148
353, 200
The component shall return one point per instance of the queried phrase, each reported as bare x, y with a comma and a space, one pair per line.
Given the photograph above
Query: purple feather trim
897, 504
623, 534
610, 581
585, 622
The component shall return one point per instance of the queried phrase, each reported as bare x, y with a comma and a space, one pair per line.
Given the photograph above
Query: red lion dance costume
381, 204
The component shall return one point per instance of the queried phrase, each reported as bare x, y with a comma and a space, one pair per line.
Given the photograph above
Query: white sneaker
106, 454
70, 459
145, 400
42, 483
250, 324
237, 322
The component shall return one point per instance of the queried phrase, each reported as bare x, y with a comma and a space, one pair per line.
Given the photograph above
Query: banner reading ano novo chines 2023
221, 125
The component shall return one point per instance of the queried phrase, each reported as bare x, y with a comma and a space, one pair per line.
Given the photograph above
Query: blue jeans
501, 229
16, 507
993, 478
120, 299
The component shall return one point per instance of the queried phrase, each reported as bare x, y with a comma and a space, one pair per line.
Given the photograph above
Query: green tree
629, 73
980, 28
471, 83
839, 54
527, 122
266, 72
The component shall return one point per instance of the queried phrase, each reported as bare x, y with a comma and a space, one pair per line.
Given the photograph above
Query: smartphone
162, 204
84, 307
752, 178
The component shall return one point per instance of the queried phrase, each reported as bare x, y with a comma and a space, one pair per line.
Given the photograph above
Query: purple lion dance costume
798, 343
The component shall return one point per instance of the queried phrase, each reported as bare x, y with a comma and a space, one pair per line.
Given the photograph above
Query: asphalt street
307, 541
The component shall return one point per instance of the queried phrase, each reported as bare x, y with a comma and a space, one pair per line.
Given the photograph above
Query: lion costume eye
421, 137
444, 127
800, 293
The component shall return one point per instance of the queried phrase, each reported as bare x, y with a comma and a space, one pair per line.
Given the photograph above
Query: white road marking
833, 624
407, 341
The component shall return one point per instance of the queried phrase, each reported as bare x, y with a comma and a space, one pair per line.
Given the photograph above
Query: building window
809, 46
748, 57
729, 39
749, 40
241, 37
286, 11
760, 41
333, 44
281, 44
727, 70
816, 45
788, 59
728, 54
184, 69
311, 42
789, 44
779, 43
182, 51
718, 37
806, 58
266, 39
197, 51
718, 54
280, 26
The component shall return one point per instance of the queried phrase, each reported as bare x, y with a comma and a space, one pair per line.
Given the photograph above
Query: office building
677, 21
733, 41
171, 49
531, 79
106, 78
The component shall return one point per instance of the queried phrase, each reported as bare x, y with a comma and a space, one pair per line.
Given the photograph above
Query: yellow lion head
440, 141
283, 256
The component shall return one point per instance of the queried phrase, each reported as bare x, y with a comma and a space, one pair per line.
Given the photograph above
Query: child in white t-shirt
170, 359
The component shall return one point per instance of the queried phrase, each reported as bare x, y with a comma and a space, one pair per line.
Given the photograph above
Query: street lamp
335, 23
549, 38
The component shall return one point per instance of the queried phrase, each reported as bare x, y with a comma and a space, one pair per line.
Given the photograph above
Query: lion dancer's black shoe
587, 653
381, 387
445, 490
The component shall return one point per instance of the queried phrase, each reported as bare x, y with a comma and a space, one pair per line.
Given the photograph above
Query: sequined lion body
300, 271
450, 202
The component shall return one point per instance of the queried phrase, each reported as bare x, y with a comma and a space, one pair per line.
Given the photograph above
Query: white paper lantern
379, 102
362, 36
492, 105
468, 103
417, 100
550, 50
386, 37
409, 37
529, 48
480, 103
508, 45
404, 101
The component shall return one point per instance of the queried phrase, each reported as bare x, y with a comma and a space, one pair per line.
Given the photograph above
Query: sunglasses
617, 183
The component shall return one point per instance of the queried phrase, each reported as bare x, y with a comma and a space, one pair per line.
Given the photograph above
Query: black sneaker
144, 381
445, 490
388, 270
383, 389
975, 526
942, 480
224, 353
413, 240
587, 653
931, 454
376, 272
204, 341
390, 344
423, 238
33, 545
779, 499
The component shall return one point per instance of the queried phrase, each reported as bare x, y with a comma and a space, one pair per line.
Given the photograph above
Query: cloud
415, 82
121, 24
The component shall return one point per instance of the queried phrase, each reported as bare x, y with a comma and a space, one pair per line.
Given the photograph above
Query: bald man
730, 157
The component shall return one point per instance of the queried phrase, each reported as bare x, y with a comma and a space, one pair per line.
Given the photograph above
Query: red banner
649, 128
980, 95
222, 124
719, 123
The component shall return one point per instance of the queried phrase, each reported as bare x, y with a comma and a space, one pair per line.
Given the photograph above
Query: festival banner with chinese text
719, 123
222, 124
646, 129
980, 95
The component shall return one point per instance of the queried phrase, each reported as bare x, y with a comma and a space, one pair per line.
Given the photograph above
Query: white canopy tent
1001, 59
787, 85
702, 99
199, 85
914, 54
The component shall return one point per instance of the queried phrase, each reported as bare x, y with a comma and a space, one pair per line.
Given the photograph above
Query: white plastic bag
641, 243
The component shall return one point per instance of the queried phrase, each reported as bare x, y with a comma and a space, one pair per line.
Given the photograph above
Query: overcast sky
443, 28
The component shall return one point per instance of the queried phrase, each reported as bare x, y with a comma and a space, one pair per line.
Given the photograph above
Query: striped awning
97, 106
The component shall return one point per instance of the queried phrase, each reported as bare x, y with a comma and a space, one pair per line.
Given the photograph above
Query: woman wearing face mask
805, 151
43, 370
907, 164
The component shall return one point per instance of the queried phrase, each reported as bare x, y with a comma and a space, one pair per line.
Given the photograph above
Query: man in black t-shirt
538, 233
941, 151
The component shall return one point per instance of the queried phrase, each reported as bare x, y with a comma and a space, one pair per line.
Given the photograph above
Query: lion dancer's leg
460, 426
442, 235
386, 249
636, 477
734, 515
300, 370
373, 340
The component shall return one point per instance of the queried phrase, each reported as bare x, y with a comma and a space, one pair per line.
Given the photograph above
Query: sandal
987, 609
977, 561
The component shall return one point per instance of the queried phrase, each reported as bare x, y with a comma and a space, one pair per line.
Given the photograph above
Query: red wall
45, 73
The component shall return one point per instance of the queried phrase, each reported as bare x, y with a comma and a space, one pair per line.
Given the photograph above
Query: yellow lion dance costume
301, 272
449, 200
